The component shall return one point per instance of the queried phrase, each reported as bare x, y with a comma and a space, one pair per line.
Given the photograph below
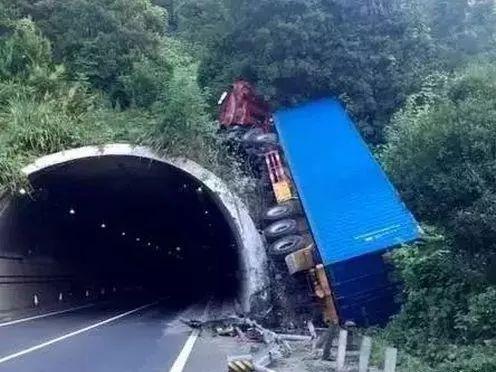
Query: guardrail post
328, 338
365, 350
390, 359
340, 359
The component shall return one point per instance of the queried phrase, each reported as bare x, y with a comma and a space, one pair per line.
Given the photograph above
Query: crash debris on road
312, 349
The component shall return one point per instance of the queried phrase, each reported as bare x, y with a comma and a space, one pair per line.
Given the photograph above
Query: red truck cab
242, 107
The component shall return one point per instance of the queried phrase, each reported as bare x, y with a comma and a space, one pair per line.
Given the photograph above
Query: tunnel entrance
129, 223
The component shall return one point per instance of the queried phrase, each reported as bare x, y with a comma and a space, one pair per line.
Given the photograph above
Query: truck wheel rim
285, 246
287, 243
282, 226
276, 211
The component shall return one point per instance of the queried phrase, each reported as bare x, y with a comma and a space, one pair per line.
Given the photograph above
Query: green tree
299, 49
462, 29
441, 152
203, 22
45, 107
23, 51
105, 41
447, 321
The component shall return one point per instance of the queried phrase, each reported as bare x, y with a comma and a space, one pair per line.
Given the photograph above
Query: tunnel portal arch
252, 256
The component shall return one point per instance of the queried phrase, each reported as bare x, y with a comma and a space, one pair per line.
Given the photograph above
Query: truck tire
281, 228
287, 245
265, 139
249, 136
235, 132
283, 210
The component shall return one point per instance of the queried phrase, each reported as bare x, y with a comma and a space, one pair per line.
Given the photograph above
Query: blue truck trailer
354, 212
337, 213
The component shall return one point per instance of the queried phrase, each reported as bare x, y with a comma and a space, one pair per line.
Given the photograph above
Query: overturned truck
336, 213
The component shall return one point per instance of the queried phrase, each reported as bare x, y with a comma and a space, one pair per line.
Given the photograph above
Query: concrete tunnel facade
24, 274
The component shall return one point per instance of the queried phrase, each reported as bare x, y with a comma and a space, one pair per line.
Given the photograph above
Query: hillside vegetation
74, 73
418, 76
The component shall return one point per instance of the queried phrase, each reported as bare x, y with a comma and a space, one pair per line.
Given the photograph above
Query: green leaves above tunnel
108, 42
81, 72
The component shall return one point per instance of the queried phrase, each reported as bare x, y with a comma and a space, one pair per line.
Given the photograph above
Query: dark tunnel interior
127, 223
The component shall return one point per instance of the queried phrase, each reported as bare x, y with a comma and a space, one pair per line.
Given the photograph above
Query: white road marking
17, 321
72, 334
183, 356
181, 360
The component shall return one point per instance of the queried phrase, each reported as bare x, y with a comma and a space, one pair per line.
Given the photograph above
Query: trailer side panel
354, 212
352, 207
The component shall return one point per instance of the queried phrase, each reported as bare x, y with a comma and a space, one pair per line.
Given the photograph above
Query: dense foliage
117, 45
461, 30
300, 49
371, 54
419, 76
440, 151
91, 72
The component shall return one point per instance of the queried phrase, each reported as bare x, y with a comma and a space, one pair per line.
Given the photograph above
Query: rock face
253, 294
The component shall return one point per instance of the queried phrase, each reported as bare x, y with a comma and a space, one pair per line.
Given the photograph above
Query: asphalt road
106, 337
